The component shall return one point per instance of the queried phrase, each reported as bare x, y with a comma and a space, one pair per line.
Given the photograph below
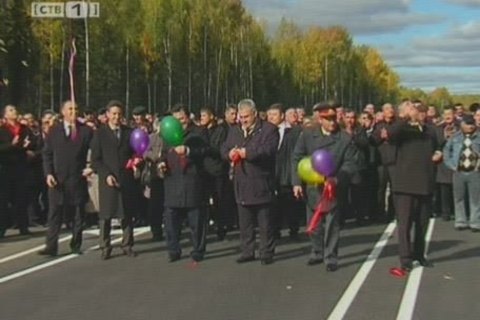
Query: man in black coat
217, 173
286, 207
118, 190
64, 165
444, 175
16, 147
413, 182
327, 136
185, 186
251, 149
388, 156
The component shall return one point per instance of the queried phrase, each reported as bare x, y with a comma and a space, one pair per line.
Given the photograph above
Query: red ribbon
236, 158
133, 162
324, 206
14, 129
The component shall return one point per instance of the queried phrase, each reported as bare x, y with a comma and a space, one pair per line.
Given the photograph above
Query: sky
429, 43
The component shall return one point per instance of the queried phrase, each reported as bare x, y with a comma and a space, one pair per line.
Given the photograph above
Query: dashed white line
351, 292
45, 265
30, 251
409, 299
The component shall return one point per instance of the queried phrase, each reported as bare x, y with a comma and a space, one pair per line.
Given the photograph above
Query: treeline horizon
156, 53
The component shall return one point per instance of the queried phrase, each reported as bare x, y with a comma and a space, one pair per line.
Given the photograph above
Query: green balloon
307, 173
171, 131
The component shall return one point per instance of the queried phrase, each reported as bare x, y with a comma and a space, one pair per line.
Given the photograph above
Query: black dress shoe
461, 228
475, 230
266, 261
314, 261
76, 251
245, 259
197, 257
25, 232
106, 254
48, 252
173, 257
425, 263
129, 252
407, 267
332, 267
158, 237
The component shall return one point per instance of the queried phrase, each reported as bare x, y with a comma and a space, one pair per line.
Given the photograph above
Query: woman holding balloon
322, 153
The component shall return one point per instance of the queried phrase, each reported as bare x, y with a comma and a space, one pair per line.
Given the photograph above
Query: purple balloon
139, 141
323, 162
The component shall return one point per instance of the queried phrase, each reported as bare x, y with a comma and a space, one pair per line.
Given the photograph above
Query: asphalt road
148, 287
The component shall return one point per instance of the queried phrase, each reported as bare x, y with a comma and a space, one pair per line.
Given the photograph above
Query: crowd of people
239, 170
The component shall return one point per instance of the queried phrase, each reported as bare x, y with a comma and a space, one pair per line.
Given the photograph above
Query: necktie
69, 131
117, 133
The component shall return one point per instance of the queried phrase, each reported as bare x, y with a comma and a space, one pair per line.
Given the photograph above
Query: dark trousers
155, 207
223, 211
325, 238
445, 195
173, 223
287, 209
105, 226
55, 220
364, 195
247, 215
412, 209
384, 179
13, 191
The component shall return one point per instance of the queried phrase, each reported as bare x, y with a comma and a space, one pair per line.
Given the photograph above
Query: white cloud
466, 3
459, 47
361, 17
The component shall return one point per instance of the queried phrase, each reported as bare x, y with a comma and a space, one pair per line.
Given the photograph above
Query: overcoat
254, 177
110, 156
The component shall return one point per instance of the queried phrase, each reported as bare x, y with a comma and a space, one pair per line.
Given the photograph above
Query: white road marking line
351, 292
45, 265
30, 251
409, 299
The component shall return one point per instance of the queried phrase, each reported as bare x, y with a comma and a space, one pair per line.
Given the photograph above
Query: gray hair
247, 104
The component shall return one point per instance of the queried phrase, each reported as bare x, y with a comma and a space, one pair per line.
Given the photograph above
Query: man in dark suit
217, 173
413, 181
16, 147
388, 156
286, 207
64, 165
326, 136
118, 190
185, 186
251, 149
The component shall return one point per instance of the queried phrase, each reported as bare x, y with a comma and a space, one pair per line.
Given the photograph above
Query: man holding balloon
182, 159
322, 153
